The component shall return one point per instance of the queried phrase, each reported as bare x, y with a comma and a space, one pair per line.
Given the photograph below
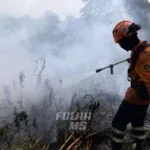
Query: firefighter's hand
129, 60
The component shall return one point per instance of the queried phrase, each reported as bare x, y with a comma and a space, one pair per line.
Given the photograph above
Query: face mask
129, 43
126, 44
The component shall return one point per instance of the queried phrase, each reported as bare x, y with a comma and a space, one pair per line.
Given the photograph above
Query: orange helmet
122, 29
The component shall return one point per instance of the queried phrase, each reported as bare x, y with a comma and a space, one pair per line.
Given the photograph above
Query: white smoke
139, 11
64, 52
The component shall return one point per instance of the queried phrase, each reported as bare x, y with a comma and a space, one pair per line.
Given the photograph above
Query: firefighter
134, 107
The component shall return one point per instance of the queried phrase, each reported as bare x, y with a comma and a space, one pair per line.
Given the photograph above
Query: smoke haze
65, 53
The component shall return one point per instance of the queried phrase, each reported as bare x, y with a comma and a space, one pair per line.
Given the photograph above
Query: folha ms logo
78, 120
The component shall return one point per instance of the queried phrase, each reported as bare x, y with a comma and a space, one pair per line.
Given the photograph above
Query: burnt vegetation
37, 130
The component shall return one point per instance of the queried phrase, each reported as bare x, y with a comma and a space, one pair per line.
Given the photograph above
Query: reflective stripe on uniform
139, 137
117, 140
117, 131
117, 135
138, 133
138, 128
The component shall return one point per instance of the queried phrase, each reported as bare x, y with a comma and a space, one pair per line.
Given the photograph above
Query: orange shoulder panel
143, 65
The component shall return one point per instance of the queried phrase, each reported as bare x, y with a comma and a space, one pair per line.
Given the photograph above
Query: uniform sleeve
143, 65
